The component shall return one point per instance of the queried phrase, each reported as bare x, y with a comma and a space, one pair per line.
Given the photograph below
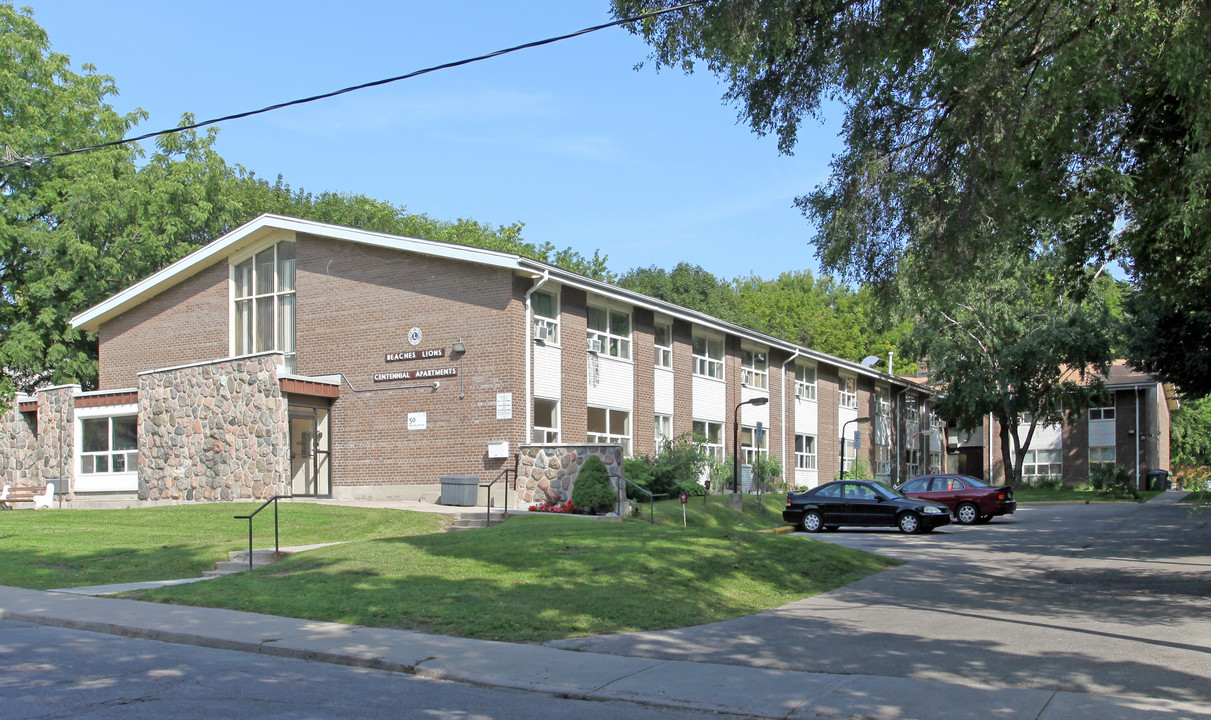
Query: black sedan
860, 502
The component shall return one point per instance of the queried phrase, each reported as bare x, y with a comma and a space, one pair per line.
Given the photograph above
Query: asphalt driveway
1102, 599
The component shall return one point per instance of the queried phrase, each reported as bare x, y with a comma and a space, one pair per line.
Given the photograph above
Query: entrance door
309, 452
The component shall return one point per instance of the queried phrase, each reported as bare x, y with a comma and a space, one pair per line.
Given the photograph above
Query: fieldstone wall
548, 472
214, 432
57, 437
19, 456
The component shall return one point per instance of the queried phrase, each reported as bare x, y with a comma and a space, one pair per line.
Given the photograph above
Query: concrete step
237, 560
473, 520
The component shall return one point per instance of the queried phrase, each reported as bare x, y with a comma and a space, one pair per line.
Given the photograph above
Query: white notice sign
418, 421
504, 406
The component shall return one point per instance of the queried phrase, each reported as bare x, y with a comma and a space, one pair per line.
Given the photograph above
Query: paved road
49, 672
1099, 599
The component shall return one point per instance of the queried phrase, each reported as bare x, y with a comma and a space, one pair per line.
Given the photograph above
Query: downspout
899, 445
782, 422
546, 275
1137, 437
991, 472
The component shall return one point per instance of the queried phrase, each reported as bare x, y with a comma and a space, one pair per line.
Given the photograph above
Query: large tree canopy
1079, 129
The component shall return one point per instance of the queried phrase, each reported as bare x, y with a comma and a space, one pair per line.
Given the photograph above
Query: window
709, 435
882, 430
1101, 456
805, 382
849, 392
264, 302
883, 402
664, 345
751, 450
546, 316
664, 430
754, 369
110, 445
612, 329
805, 452
1101, 413
610, 426
1042, 463
546, 421
935, 462
708, 357
918, 485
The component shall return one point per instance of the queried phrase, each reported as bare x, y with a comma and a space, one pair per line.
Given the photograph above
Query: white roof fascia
226, 245
699, 318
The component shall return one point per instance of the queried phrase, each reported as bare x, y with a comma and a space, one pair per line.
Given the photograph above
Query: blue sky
651, 168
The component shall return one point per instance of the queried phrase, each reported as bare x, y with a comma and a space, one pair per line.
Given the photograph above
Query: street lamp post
843, 426
736, 440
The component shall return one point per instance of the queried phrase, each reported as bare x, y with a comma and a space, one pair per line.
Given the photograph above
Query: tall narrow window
805, 452
264, 302
849, 392
664, 430
708, 357
749, 447
709, 436
546, 317
610, 332
546, 421
664, 345
754, 370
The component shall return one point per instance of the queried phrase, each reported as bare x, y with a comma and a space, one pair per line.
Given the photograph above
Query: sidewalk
709, 687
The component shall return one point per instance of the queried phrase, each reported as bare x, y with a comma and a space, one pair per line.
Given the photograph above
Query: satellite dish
871, 361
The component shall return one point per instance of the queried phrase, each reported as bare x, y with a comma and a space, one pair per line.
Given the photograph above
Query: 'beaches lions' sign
416, 355
430, 374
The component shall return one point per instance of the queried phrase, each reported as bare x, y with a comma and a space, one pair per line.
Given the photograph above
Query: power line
11, 160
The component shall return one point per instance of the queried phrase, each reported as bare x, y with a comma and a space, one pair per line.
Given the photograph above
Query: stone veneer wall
19, 456
548, 472
57, 437
213, 432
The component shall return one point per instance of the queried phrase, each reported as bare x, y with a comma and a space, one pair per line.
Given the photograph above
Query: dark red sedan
971, 500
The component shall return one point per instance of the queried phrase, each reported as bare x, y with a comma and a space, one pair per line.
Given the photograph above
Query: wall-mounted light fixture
458, 348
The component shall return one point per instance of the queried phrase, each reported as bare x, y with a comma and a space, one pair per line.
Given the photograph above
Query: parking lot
1102, 599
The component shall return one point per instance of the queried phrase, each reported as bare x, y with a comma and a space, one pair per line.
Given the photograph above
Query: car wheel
983, 519
910, 523
967, 513
811, 521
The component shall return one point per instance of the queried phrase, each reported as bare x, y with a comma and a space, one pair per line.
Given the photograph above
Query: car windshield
973, 481
889, 493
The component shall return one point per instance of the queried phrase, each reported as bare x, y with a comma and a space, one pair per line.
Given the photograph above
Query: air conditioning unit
801, 393
595, 345
541, 331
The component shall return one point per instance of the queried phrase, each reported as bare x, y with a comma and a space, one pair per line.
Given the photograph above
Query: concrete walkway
709, 686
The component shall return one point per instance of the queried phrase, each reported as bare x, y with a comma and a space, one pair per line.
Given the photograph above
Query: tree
1190, 434
686, 285
1011, 345
593, 491
1073, 129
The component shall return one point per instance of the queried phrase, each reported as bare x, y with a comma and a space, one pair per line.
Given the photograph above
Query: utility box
461, 490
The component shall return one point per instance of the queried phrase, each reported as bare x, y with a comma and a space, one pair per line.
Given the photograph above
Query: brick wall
828, 443
643, 415
573, 404
186, 323
356, 304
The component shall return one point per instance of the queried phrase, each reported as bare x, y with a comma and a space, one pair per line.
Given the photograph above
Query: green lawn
71, 548
1070, 494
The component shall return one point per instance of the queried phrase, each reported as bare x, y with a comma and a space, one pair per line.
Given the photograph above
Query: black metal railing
276, 547
622, 496
488, 503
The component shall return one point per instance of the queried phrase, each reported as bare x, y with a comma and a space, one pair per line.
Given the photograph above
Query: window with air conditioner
612, 331
546, 316
805, 382
754, 369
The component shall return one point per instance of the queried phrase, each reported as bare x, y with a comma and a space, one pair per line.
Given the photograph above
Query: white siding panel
750, 415
662, 391
710, 399
807, 417
548, 370
806, 478
1046, 437
844, 415
611, 383
1101, 433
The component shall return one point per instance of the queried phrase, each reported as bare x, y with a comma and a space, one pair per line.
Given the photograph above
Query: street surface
48, 672
1099, 599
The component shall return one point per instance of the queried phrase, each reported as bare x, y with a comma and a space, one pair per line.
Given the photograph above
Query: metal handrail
651, 497
488, 503
276, 546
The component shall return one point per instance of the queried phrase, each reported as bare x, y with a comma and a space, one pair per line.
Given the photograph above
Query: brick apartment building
1130, 428
295, 357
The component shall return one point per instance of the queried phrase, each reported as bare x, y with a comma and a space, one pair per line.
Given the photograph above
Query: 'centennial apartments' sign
431, 374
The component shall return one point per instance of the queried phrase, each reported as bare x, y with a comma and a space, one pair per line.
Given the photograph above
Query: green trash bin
1158, 480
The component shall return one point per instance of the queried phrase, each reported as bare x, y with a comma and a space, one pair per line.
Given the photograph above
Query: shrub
593, 490
1042, 482
1113, 481
674, 469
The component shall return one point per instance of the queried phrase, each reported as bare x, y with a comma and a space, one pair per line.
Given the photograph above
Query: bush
674, 469
1191, 477
593, 490
1042, 482
1113, 481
